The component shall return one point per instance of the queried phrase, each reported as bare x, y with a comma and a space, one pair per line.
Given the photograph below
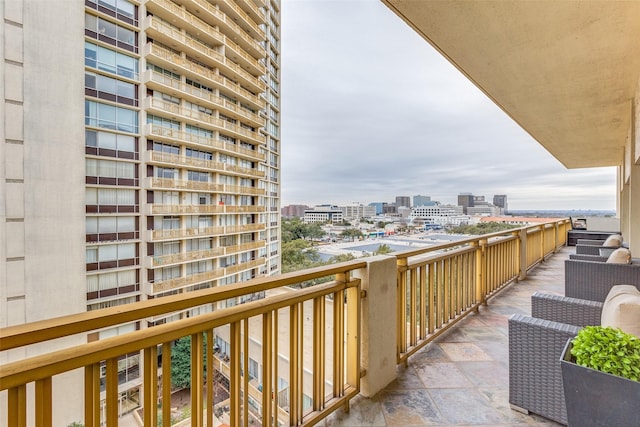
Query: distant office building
323, 214
294, 211
438, 215
419, 200
358, 211
403, 201
389, 208
378, 206
465, 200
501, 201
484, 209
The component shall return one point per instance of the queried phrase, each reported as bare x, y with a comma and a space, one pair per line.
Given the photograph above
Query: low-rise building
323, 214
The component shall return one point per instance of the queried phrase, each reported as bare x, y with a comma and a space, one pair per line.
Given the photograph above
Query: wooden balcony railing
438, 286
310, 337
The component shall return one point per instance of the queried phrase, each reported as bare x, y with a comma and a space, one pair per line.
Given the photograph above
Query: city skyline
364, 120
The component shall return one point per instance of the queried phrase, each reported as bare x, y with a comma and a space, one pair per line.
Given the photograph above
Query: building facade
142, 149
403, 201
419, 200
351, 212
294, 211
323, 214
501, 201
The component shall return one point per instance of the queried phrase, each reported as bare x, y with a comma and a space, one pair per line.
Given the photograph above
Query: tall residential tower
140, 154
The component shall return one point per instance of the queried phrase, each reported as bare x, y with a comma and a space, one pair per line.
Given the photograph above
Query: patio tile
464, 351
410, 408
442, 375
470, 407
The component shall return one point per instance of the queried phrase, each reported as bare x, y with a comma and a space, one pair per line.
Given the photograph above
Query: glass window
106, 84
110, 117
110, 61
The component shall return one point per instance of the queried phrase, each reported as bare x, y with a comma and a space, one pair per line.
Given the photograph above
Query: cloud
371, 111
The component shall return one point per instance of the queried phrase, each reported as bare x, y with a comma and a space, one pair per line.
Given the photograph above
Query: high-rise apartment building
140, 154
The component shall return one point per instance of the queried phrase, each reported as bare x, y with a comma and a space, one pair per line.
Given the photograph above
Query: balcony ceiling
566, 71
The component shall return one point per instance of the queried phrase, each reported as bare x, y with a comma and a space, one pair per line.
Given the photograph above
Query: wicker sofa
592, 280
535, 345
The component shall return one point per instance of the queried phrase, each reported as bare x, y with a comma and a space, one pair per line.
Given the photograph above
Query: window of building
110, 117
204, 155
110, 141
120, 6
198, 176
111, 252
105, 86
110, 32
163, 71
110, 169
110, 61
106, 281
166, 148
198, 85
167, 173
161, 121
195, 130
110, 224
199, 108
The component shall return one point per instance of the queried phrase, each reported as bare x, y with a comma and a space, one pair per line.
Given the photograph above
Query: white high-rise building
140, 155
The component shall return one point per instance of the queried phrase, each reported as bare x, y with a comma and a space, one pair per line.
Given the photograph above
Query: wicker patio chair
583, 257
592, 280
535, 345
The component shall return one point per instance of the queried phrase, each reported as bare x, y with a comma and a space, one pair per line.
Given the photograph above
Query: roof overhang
565, 71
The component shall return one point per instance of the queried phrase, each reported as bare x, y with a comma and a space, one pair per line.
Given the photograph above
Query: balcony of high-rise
412, 338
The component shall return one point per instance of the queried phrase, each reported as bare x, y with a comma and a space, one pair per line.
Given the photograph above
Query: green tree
298, 255
482, 228
352, 233
295, 228
181, 361
341, 258
314, 231
383, 249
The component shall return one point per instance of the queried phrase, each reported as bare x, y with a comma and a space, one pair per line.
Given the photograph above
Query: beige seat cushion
615, 240
621, 309
620, 256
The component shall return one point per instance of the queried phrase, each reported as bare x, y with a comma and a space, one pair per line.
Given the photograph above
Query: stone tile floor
461, 379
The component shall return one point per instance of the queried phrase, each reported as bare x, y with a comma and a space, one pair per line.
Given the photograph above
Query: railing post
379, 323
481, 270
522, 255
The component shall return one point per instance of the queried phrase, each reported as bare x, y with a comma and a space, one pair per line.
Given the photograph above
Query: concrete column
633, 208
378, 352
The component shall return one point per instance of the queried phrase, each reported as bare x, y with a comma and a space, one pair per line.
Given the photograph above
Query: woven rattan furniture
535, 345
592, 280
582, 257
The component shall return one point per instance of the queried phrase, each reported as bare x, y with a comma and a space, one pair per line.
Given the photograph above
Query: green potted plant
601, 378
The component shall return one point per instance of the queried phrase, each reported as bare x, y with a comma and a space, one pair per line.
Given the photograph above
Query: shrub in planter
608, 350
601, 378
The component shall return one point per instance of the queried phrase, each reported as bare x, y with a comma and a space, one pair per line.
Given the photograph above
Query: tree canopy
482, 228
181, 361
295, 228
353, 233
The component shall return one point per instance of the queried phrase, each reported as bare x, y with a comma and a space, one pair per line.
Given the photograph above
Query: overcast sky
371, 111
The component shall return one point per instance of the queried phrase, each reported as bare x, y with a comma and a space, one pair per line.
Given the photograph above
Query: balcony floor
462, 379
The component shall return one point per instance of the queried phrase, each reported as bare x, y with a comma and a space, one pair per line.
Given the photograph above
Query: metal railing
440, 285
280, 321
305, 337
